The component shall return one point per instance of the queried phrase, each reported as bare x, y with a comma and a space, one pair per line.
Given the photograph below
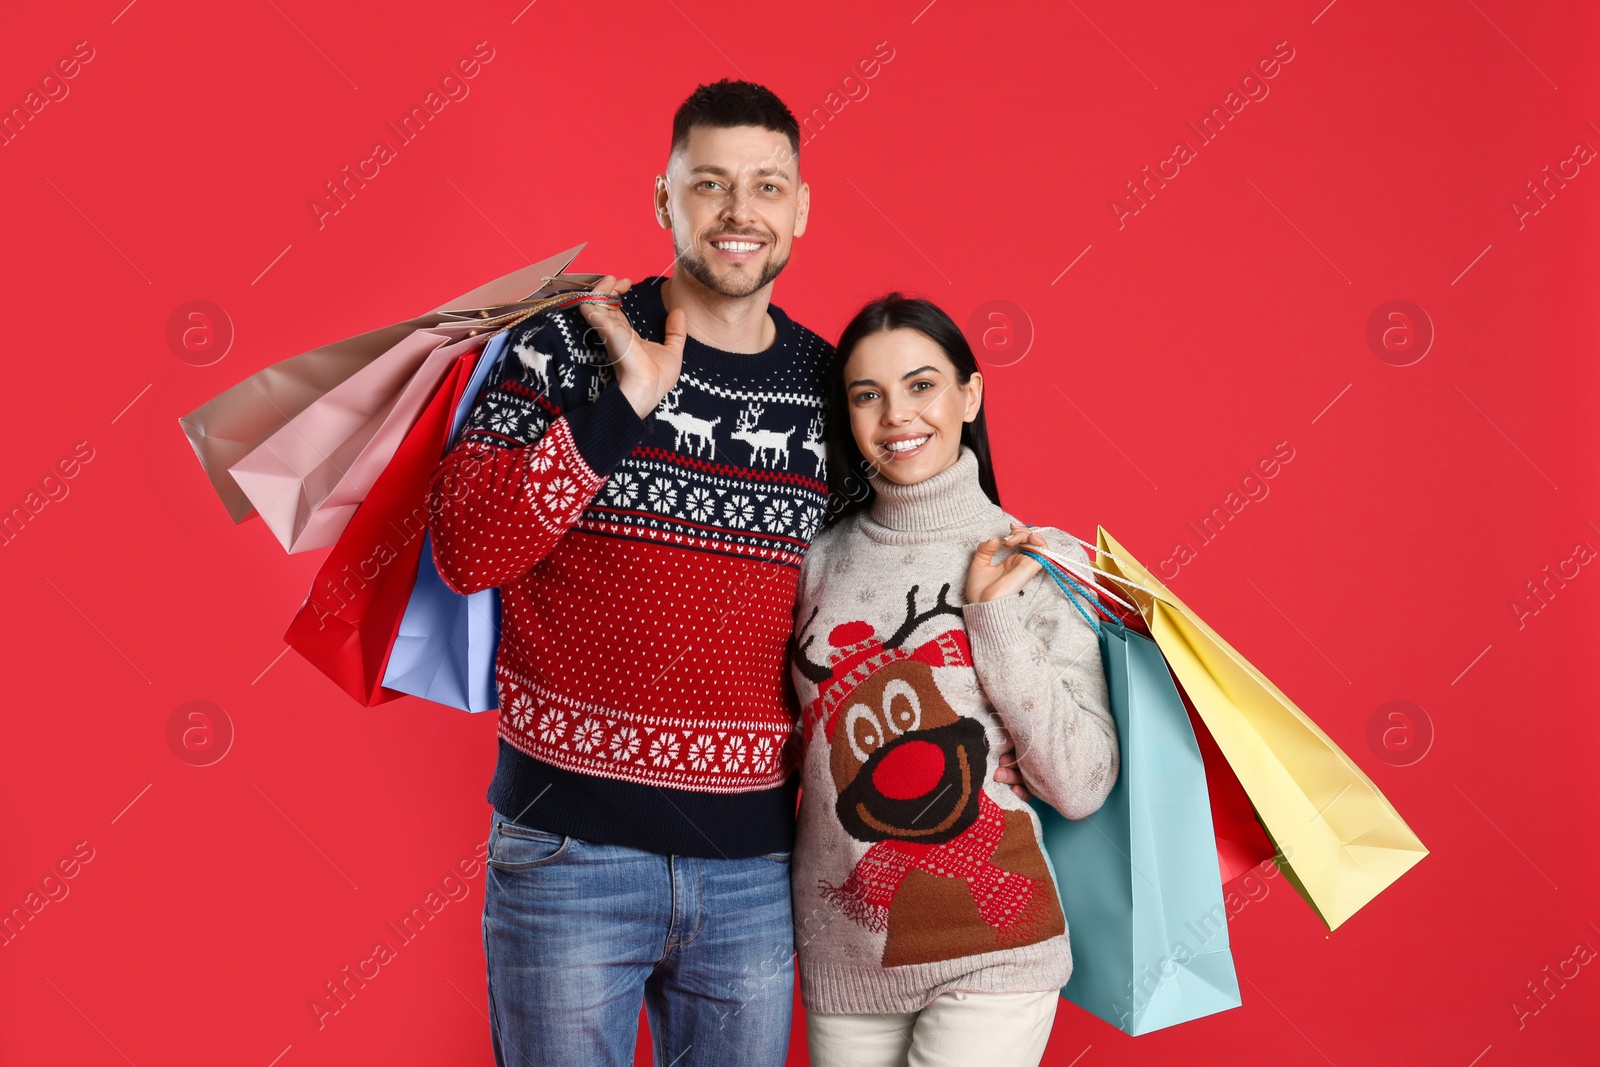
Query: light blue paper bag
1139, 879
446, 646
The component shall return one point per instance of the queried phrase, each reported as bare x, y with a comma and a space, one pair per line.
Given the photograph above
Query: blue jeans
577, 934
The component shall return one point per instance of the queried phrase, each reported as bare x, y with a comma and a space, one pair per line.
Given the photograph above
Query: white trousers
954, 1030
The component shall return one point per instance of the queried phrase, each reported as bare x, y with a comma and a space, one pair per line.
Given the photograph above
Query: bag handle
521, 312
1068, 584
1072, 564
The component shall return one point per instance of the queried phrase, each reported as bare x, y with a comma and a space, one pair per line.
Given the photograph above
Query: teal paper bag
1139, 879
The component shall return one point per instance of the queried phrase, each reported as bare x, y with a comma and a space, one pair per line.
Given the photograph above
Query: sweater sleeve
525, 467
1038, 662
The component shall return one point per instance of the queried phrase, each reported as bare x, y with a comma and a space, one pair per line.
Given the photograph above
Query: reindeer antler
797, 654
913, 620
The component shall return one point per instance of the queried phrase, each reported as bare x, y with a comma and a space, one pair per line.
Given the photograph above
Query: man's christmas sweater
915, 872
647, 570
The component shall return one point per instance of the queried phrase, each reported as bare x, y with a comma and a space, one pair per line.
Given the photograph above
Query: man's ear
662, 197
974, 389
805, 209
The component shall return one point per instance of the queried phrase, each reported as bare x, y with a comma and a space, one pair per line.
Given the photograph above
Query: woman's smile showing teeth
904, 446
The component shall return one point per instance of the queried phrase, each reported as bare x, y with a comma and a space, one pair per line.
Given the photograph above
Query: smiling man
641, 482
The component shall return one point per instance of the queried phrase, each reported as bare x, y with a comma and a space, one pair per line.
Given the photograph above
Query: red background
1227, 315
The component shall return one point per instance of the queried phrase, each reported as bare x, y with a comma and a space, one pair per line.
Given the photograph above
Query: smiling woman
911, 395
919, 659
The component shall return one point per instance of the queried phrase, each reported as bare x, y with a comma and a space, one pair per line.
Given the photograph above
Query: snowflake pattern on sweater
647, 567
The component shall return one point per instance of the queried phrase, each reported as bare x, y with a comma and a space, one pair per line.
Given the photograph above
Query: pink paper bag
235, 422
307, 479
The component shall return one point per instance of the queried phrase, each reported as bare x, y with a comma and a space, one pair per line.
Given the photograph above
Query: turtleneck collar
949, 500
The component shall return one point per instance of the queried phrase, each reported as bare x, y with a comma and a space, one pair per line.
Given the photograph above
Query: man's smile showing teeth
737, 246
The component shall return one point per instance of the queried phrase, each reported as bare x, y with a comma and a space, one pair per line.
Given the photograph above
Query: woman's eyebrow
903, 377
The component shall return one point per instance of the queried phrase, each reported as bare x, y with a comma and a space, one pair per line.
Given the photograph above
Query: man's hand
646, 371
988, 581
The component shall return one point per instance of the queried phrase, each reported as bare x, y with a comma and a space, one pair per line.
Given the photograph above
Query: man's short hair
735, 103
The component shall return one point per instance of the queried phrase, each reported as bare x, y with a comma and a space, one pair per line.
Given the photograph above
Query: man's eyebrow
723, 172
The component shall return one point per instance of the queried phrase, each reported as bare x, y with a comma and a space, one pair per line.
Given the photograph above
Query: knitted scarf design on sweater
1007, 901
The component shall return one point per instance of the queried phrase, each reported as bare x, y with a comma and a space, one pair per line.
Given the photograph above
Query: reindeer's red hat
858, 652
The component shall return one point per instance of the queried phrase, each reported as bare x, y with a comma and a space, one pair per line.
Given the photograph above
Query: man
642, 491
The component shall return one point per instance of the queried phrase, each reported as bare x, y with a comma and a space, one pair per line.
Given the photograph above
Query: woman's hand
1007, 772
987, 580
646, 371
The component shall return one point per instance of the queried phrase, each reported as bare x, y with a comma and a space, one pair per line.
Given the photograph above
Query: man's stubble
701, 272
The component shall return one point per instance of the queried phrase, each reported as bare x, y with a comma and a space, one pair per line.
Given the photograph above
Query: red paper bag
349, 620
1241, 842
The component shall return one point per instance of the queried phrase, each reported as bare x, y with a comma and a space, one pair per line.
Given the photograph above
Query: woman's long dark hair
849, 489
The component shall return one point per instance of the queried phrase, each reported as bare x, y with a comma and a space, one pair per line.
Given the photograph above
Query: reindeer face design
947, 872
907, 766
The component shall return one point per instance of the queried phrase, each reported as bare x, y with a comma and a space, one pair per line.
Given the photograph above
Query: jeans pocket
514, 847
778, 857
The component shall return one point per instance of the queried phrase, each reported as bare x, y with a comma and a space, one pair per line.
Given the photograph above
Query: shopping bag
307, 478
1242, 845
236, 421
1138, 878
1339, 840
347, 625
446, 645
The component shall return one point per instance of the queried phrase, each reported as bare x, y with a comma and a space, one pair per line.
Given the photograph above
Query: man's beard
701, 272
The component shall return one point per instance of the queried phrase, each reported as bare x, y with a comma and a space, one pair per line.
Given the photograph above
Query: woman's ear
974, 391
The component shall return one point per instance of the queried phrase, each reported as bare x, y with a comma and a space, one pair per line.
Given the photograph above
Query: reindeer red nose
909, 770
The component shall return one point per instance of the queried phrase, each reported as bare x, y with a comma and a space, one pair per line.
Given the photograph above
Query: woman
927, 921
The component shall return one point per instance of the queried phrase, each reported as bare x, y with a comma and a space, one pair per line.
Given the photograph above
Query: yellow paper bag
1339, 840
